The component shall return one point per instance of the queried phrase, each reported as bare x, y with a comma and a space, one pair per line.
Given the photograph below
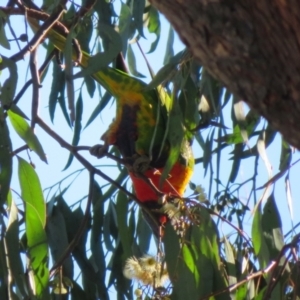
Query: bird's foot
140, 164
99, 150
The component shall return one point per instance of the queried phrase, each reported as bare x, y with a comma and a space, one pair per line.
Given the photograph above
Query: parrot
140, 132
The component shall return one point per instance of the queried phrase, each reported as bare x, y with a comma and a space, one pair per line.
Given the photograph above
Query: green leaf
188, 101
144, 234
204, 239
97, 246
137, 13
13, 250
195, 270
84, 33
162, 76
101, 105
77, 128
5, 160
172, 250
14, 108
122, 211
240, 118
125, 26
69, 73
211, 90
237, 153
58, 240
103, 59
3, 271
10, 84
180, 274
132, 63
272, 228
175, 134
154, 26
285, 156
3, 39
26, 134
57, 88
230, 261
191, 263
259, 243
207, 154
251, 121
35, 220
169, 53
62, 104
90, 85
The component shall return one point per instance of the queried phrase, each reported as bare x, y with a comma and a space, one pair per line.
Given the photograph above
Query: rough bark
251, 46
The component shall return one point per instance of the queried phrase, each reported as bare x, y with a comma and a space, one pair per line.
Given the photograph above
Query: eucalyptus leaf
26, 134
35, 220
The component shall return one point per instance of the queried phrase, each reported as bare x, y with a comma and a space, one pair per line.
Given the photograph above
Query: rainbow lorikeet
157, 162
139, 131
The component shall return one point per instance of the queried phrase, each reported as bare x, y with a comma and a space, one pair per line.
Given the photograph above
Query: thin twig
233, 287
83, 10
80, 158
39, 35
29, 82
275, 279
42, 16
18, 150
241, 232
13, 34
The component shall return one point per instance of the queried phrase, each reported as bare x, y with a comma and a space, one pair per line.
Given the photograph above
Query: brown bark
251, 46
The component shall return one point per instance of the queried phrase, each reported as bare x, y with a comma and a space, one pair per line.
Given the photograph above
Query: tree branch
250, 46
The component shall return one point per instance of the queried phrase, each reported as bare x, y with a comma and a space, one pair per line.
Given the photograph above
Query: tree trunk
252, 47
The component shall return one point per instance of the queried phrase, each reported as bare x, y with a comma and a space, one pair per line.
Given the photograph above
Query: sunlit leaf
289, 196
180, 274
272, 227
35, 220
259, 243
240, 118
175, 135
230, 260
25, 133
212, 90
261, 148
